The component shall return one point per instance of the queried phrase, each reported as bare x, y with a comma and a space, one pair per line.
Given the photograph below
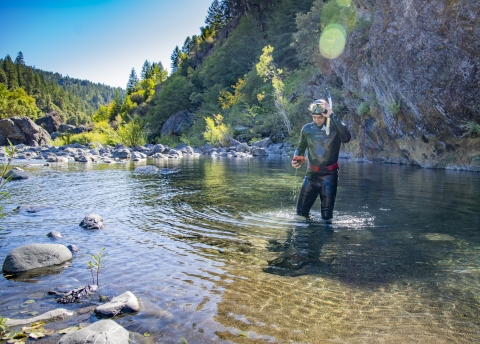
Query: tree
267, 70
132, 82
11, 72
160, 74
147, 71
19, 60
176, 58
215, 19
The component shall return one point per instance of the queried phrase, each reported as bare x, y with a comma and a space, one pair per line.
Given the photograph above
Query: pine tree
19, 60
132, 82
147, 71
175, 58
215, 18
11, 72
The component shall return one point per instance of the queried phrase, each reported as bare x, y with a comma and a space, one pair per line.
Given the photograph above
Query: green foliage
472, 129
3, 325
394, 107
216, 132
53, 92
10, 155
168, 140
476, 159
132, 133
102, 133
364, 108
101, 115
173, 97
96, 265
16, 102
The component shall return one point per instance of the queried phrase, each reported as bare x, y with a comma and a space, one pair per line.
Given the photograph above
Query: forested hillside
403, 75
28, 91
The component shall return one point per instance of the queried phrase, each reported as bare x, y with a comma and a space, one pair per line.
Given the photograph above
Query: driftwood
75, 294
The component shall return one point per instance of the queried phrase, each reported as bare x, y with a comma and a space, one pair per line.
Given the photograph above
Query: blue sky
98, 40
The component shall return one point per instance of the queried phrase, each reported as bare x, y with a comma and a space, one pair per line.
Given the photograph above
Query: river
215, 254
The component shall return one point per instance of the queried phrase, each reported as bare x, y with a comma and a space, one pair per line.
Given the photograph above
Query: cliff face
414, 69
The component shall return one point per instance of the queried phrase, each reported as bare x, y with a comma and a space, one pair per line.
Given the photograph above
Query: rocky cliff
411, 81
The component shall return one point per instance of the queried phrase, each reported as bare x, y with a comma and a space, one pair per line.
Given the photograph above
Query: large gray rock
121, 153
50, 122
34, 256
125, 303
92, 221
17, 173
262, 143
50, 315
19, 130
100, 332
178, 123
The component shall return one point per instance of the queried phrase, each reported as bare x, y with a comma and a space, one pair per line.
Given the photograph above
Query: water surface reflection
215, 253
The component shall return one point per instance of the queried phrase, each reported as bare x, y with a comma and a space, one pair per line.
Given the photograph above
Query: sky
98, 40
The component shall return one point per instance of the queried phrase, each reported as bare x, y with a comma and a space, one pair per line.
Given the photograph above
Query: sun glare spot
332, 41
344, 3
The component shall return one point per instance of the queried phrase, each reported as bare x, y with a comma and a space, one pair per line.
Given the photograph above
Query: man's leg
328, 194
308, 195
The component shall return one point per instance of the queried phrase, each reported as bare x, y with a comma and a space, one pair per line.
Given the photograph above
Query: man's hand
327, 107
295, 164
298, 161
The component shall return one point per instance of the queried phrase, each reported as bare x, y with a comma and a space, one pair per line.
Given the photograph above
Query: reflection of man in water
323, 144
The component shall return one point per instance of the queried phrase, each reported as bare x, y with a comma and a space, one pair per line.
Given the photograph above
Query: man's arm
300, 151
342, 131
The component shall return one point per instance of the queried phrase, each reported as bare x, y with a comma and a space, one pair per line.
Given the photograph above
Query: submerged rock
34, 256
100, 332
56, 313
125, 303
146, 169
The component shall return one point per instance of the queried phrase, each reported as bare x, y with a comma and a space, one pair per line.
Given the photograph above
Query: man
323, 143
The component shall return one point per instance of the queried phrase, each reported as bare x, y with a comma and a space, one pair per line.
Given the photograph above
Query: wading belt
323, 168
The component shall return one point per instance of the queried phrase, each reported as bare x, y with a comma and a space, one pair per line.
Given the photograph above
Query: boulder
17, 173
92, 221
50, 315
146, 169
242, 148
259, 151
263, 143
19, 130
178, 123
125, 303
34, 256
121, 153
50, 122
100, 332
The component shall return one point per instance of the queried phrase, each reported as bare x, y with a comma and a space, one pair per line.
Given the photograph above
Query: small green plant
476, 159
216, 131
364, 108
472, 128
394, 107
97, 264
10, 155
3, 326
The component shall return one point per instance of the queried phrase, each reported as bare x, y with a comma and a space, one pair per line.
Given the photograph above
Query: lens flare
344, 3
332, 41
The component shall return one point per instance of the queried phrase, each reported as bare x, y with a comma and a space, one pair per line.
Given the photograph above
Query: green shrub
216, 131
394, 107
364, 108
132, 133
472, 128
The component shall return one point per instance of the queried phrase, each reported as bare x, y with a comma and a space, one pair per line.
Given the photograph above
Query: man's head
317, 111
317, 107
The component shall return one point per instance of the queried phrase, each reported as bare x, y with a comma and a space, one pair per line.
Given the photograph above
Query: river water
215, 254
